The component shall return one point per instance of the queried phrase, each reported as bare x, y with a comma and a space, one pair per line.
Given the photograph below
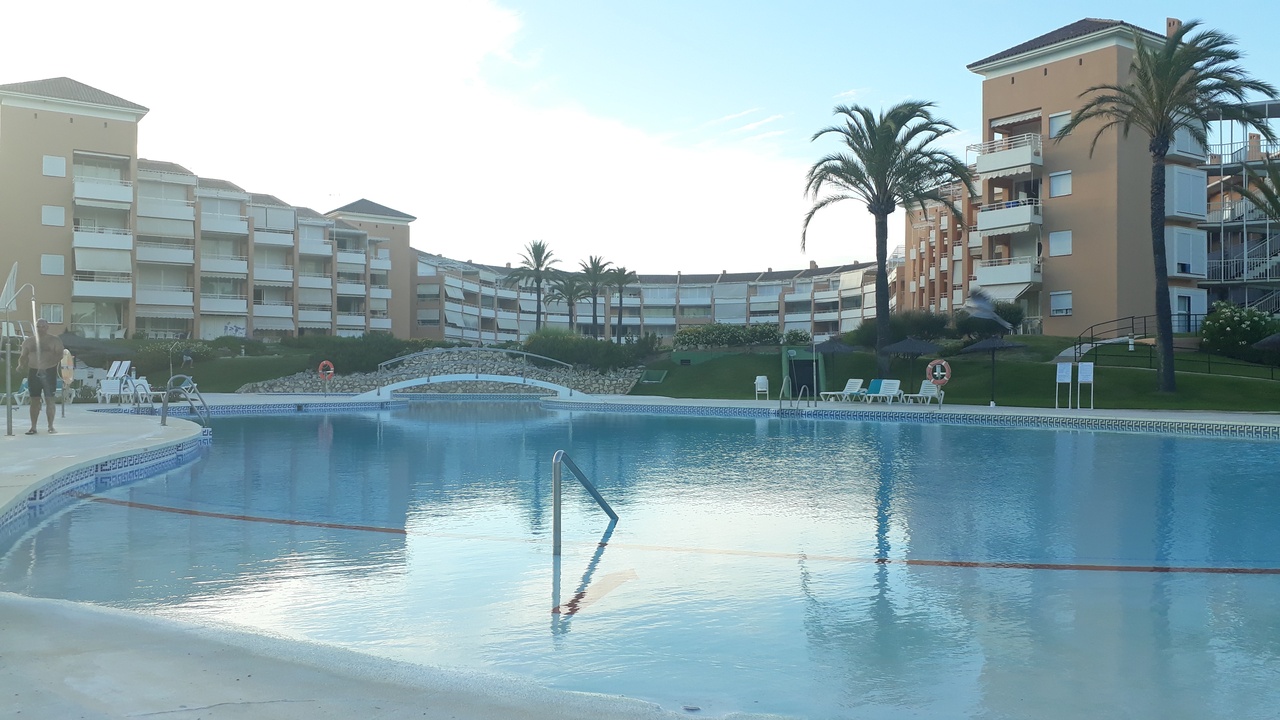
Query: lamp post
8, 351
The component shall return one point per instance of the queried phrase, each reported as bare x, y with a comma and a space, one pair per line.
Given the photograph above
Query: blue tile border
184, 411
61, 488
1244, 431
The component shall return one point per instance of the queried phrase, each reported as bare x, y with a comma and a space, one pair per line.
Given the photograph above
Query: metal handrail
186, 388
559, 459
386, 364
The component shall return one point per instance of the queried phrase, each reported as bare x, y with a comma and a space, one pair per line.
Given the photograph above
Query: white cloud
389, 101
758, 123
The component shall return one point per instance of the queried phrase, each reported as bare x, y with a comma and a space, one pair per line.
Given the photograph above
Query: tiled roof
698, 279
369, 207
216, 184
161, 166
64, 88
738, 277
778, 275
306, 212
1079, 28
833, 270
348, 227
658, 279
260, 199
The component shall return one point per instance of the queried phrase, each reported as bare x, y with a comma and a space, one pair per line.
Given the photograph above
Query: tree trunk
608, 326
1164, 306
595, 328
537, 315
882, 293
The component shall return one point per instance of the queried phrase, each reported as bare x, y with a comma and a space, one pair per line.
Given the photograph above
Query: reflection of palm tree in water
888, 645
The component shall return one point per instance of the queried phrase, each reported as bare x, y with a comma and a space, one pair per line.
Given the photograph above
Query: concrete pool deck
65, 659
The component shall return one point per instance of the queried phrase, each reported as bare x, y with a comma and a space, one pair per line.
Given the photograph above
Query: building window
1059, 243
1059, 184
1060, 303
1057, 121
51, 313
53, 265
53, 215
55, 166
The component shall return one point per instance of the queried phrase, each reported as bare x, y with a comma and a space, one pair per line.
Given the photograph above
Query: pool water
818, 569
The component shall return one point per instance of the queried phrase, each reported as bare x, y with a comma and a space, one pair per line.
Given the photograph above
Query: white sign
1086, 372
1064, 372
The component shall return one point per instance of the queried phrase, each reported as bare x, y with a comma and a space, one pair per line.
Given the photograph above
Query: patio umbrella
913, 348
992, 344
1270, 343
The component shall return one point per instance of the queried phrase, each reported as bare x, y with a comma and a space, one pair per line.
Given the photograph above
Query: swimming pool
812, 568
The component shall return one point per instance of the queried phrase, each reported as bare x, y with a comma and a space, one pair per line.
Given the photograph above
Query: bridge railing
386, 366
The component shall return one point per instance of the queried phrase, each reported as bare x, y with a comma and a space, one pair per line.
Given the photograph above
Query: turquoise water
819, 569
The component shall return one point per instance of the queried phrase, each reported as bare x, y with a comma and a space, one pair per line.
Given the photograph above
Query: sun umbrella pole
993, 377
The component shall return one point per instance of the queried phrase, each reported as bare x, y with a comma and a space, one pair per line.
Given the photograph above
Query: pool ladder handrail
812, 400
186, 388
561, 458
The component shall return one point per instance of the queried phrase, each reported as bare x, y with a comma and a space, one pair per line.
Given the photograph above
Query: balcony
219, 223
167, 253
1007, 157
224, 304
1006, 218
380, 323
86, 285
102, 238
276, 239
352, 257
1230, 212
315, 247
103, 190
224, 264
274, 274
312, 317
380, 262
165, 295
315, 280
274, 309
350, 320
350, 288
166, 209
1006, 279
380, 291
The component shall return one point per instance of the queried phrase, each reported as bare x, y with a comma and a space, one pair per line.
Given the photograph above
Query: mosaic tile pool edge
60, 488
1244, 431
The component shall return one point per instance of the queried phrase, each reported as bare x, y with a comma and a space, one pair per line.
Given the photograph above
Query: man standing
41, 352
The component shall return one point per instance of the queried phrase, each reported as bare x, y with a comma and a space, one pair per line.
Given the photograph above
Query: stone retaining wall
616, 382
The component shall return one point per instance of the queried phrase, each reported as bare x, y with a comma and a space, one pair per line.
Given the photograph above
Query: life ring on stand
325, 370
938, 372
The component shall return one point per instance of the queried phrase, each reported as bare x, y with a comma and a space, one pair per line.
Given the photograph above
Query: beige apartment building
1060, 231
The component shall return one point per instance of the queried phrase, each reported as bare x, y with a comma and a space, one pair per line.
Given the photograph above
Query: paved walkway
69, 660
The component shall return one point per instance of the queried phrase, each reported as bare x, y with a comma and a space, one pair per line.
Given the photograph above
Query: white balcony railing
165, 295
1234, 211
171, 253
105, 238
1010, 217
224, 223
230, 264
113, 191
1008, 271
1009, 156
1028, 140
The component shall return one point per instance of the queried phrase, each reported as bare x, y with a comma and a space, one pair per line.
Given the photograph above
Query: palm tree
886, 161
1180, 84
595, 273
619, 279
568, 288
535, 269
1263, 189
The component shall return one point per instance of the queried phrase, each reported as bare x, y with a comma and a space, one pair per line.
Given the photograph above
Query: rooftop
1077, 29
64, 88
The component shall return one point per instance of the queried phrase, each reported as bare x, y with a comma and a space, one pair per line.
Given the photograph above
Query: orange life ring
325, 370
938, 372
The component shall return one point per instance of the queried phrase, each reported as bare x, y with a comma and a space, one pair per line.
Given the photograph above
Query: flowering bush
1232, 330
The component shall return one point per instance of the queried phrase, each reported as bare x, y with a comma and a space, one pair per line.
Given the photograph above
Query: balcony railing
1030, 140
1242, 151
1234, 211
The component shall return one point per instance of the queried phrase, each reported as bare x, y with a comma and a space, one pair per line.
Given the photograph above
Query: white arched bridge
517, 374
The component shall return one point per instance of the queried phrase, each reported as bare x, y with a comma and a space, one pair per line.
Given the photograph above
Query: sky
662, 136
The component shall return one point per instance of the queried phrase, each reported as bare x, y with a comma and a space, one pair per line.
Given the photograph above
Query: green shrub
967, 326
797, 337
764, 334
1232, 330
921, 324
575, 349
1012, 313
865, 334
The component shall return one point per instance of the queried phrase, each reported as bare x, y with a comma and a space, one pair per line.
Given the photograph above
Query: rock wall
615, 382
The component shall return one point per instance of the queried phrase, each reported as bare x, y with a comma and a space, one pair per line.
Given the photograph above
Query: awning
453, 318
313, 324
273, 323
1015, 119
528, 305
1005, 293
223, 274
508, 324
97, 260
164, 311
1005, 230
453, 292
471, 321
1007, 172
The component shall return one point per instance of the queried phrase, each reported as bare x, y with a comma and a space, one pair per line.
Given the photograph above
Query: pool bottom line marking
910, 562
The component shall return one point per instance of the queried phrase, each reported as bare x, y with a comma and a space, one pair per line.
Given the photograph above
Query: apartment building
1063, 232
1243, 241
468, 302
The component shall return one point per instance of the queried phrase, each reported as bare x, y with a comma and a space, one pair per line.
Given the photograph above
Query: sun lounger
887, 391
852, 390
928, 393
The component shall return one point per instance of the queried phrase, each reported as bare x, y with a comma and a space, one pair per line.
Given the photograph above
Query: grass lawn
1023, 378
228, 374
